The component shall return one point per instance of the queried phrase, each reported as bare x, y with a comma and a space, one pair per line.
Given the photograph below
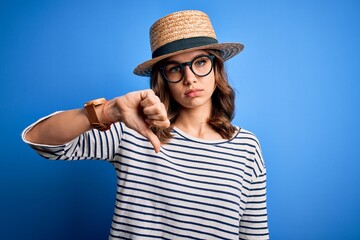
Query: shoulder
247, 137
250, 142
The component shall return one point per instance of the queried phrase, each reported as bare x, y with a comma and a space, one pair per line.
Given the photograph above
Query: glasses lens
173, 71
202, 66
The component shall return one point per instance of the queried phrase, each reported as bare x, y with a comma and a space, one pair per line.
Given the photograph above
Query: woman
206, 178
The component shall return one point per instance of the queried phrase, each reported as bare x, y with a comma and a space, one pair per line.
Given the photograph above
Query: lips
193, 92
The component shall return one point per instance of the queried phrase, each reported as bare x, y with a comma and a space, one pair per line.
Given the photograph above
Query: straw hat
181, 32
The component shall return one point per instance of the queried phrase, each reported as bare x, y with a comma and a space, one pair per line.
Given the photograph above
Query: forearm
65, 126
59, 128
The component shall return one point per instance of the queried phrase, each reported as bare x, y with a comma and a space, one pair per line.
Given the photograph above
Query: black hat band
183, 44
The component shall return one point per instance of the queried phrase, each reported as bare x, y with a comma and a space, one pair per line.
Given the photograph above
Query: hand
142, 109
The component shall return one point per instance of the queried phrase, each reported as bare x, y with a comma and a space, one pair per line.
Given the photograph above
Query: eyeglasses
174, 71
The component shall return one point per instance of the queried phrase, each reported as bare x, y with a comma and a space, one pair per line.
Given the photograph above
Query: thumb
154, 140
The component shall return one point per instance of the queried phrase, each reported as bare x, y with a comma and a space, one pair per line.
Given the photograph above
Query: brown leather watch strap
92, 116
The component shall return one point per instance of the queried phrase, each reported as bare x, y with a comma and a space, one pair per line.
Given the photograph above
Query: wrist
93, 110
110, 112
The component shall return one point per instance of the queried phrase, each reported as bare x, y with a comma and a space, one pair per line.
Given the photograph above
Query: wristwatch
93, 118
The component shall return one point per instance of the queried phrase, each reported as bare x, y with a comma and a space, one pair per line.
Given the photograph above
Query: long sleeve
254, 221
93, 144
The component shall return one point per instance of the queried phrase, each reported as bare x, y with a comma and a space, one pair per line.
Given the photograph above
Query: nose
189, 76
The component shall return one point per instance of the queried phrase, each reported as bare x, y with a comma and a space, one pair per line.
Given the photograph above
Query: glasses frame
184, 64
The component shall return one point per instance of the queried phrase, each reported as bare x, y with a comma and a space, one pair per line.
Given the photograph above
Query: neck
192, 119
194, 122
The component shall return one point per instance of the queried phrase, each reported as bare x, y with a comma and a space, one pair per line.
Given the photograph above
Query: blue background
297, 85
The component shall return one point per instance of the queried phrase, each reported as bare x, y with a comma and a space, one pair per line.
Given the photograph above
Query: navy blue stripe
262, 181
254, 234
254, 228
240, 140
152, 229
118, 132
254, 215
237, 137
177, 170
253, 221
196, 148
257, 189
59, 151
258, 168
78, 149
207, 150
252, 209
176, 205
88, 143
235, 149
139, 152
118, 237
107, 145
183, 178
257, 195
176, 213
186, 145
173, 219
173, 226
176, 198
260, 158
256, 202
137, 234
95, 143
253, 136
179, 184
101, 144
184, 142
210, 157
114, 144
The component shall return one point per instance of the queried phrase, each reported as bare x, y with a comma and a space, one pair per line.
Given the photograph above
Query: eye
173, 69
200, 61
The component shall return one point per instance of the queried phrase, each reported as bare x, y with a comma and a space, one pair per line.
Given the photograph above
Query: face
193, 91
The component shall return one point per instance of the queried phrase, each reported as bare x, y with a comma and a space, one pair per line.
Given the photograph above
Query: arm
60, 128
138, 110
254, 220
254, 224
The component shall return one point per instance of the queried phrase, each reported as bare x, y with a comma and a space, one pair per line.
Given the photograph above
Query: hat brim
227, 51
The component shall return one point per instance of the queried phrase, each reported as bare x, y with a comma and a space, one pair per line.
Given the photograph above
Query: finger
157, 117
147, 102
149, 99
147, 95
160, 124
155, 109
154, 140
158, 120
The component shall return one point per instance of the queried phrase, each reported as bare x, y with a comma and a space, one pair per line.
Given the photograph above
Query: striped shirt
192, 189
